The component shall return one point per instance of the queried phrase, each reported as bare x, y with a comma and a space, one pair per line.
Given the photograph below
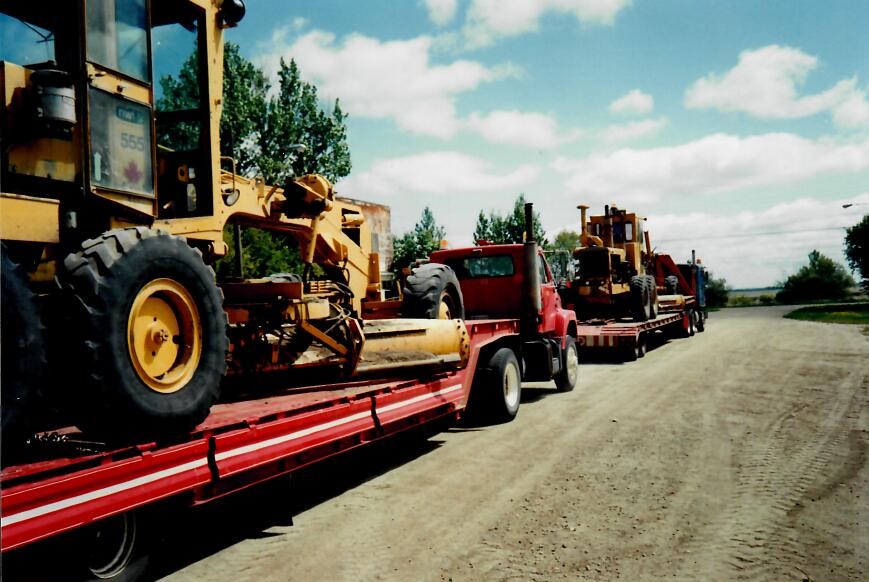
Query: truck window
117, 36
478, 267
541, 266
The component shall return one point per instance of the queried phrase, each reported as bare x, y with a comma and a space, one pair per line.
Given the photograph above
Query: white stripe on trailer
326, 426
100, 493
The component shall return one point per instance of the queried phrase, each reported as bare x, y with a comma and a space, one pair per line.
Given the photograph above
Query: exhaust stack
533, 301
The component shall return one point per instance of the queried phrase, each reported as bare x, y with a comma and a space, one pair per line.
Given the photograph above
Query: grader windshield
93, 66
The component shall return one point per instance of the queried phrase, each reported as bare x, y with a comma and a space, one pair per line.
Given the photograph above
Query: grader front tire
151, 334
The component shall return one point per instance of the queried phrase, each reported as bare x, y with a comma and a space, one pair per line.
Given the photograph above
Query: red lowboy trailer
241, 444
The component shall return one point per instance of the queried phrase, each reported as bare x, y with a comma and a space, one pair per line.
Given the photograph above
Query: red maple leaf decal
132, 173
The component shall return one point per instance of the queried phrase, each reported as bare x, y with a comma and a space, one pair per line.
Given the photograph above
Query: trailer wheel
639, 298
567, 378
152, 333
701, 321
432, 292
23, 351
113, 549
641, 346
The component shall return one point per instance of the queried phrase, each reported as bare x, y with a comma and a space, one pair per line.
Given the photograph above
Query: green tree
511, 228
419, 243
857, 250
560, 255
483, 228
257, 129
822, 278
566, 240
717, 292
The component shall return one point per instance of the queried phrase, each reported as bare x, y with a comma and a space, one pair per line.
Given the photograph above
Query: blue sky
739, 128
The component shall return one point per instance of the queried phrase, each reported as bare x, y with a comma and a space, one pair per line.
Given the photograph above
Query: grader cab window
182, 115
117, 36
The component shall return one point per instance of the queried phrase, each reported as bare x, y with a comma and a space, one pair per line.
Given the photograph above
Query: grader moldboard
112, 216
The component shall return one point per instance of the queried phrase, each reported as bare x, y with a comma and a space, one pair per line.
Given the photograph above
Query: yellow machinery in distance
112, 213
612, 279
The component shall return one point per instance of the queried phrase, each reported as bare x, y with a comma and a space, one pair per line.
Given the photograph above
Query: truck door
549, 296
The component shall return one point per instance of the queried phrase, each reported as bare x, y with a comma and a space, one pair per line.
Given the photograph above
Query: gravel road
738, 454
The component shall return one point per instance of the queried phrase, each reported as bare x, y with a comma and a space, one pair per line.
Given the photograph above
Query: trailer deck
238, 445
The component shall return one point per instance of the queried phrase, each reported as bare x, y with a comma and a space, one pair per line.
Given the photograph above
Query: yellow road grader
110, 302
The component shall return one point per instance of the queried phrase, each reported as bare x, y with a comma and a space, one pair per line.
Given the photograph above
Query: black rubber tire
104, 279
497, 390
23, 352
642, 346
701, 321
428, 287
671, 284
116, 549
653, 297
639, 298
568, 377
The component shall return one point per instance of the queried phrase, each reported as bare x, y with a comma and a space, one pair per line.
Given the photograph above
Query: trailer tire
701, 321
432, 292
23, 352
137, 293
639, 298
114, 549
568, 376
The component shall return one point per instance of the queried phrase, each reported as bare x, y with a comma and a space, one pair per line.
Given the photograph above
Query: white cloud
633, 130
635, 101
757, 248
534, 130
436, 173
384, 80
490, 20
441, 12
715, 163
764, 84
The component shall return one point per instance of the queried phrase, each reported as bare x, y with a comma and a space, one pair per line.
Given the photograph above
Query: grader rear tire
432, 292
152, 334
23, 352
640, 299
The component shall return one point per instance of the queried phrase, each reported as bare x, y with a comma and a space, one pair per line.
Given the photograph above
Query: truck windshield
476, 267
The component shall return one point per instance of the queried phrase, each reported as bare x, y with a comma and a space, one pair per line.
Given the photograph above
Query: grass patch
854, 313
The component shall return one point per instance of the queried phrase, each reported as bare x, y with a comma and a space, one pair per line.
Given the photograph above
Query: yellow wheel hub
444, 311
164, 335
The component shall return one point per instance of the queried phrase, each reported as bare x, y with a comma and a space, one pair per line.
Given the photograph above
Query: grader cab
113, 213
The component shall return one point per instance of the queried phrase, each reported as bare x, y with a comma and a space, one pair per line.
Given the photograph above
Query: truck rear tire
567, 378
152, 334
639, 298
497, 389
701, 321
23, 352
432, 292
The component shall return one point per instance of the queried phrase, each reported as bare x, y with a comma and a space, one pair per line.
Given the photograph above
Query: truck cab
503, 281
